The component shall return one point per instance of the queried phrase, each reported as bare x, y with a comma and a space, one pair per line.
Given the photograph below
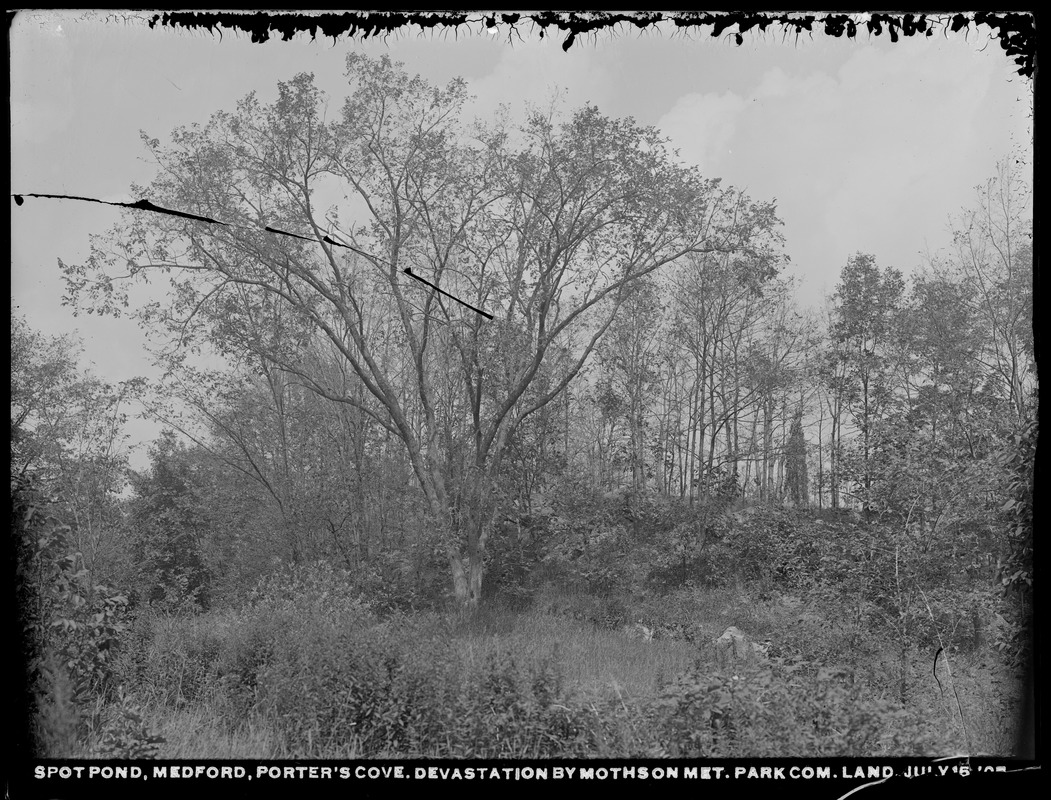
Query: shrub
398, 689
125, 733
774, 710
71, 626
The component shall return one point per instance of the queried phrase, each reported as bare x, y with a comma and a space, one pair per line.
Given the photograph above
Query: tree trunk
833, 459
820, 460
467, 579
467, 560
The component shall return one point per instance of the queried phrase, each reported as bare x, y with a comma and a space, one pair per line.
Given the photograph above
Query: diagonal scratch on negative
142, 205
412, 274
146, 205
862, 786
966, 758
326, 239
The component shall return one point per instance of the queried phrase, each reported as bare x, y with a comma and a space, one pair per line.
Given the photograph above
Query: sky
866, 145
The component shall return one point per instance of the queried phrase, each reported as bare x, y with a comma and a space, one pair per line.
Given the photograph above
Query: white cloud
703, 126
532, 72
41, 80
873, 156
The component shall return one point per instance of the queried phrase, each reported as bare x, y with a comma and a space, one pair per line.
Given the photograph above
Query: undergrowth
306, 670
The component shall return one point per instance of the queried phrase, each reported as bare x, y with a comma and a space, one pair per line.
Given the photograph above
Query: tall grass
308, 671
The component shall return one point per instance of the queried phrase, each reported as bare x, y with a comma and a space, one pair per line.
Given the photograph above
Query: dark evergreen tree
795, 463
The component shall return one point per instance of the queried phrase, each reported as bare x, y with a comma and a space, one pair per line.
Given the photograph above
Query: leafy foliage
73, 627
169, 522
1016, 570
67, 432
126, 733
1019, 511
775, 711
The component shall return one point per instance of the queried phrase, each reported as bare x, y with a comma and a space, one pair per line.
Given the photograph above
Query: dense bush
411, 577
774, 711
72, 631
1016, 568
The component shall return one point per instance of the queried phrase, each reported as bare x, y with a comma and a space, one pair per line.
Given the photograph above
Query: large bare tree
476, 252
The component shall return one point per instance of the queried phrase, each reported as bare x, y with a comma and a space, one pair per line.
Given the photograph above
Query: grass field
316, 674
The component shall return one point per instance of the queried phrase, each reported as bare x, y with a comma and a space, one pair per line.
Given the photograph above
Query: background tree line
644, 339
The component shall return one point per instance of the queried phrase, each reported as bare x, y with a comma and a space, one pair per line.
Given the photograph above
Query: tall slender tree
867, 301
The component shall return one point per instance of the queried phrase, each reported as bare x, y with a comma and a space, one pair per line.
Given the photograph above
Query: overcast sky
866, 145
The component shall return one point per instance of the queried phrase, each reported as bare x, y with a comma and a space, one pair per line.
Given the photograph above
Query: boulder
638, 631
734, 647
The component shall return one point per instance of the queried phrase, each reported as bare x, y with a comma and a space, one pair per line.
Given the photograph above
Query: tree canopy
547, 224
